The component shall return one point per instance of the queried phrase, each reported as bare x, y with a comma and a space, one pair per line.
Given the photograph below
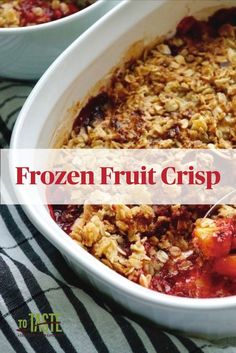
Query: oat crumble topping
181, 93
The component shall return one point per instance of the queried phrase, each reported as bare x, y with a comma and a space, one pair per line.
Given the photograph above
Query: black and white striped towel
34, 278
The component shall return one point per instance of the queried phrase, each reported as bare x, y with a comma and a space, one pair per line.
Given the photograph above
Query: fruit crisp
179, 94
20, 13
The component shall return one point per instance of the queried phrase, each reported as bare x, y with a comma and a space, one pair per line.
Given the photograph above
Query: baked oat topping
181, 93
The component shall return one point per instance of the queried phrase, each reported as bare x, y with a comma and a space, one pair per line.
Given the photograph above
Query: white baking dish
68, 80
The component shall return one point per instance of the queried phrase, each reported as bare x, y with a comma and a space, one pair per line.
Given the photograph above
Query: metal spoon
218, 203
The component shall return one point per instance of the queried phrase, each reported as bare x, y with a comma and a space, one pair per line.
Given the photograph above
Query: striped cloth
34, 278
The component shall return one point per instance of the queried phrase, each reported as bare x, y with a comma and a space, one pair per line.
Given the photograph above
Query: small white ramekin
26, 52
